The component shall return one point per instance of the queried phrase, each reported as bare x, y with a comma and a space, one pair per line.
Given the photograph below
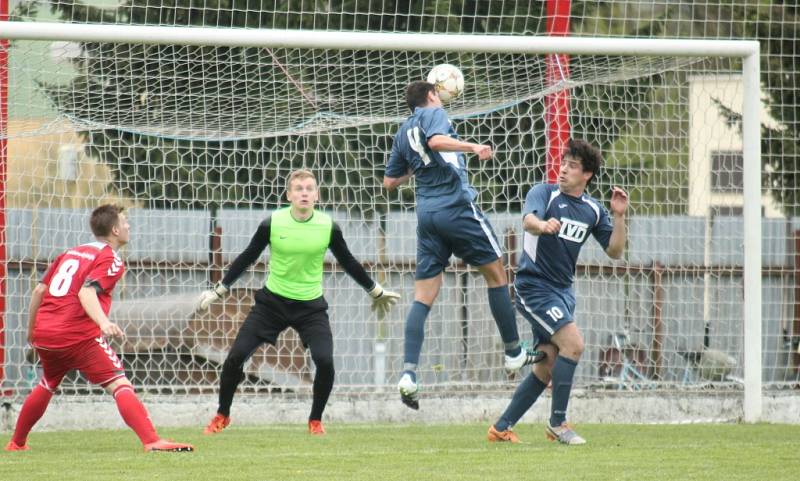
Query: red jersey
61, 320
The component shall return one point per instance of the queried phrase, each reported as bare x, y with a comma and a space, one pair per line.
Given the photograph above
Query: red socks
131, 409
32, 410
135, 414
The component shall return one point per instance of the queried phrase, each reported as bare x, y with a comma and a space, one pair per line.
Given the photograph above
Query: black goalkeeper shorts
271, 314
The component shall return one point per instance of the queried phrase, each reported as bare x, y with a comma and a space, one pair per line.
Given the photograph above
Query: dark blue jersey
553, 256
441, 177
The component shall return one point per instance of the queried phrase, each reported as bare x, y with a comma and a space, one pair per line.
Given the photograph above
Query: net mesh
227, 93
199, 141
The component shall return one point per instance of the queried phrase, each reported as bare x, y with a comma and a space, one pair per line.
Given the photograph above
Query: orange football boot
217, 424
315, 427
507, 436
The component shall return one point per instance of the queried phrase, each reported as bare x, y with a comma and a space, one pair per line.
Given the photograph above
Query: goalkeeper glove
382, 300
212, 295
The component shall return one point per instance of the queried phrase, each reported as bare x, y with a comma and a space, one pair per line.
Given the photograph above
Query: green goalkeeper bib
297, 253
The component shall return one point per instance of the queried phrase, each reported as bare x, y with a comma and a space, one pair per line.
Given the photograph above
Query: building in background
715, 149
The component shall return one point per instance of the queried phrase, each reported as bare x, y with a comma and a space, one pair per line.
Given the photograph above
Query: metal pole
751, 129
242, 37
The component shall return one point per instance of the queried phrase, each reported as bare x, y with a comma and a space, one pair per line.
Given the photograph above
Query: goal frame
746, 50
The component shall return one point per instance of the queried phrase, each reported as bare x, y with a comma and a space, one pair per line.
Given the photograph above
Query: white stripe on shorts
486, 230
538, 319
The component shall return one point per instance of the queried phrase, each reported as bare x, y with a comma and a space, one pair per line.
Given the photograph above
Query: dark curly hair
589, 155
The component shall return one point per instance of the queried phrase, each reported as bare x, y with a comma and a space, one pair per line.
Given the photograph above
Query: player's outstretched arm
443, 143
91, 304
382, 299
243, 261
33, 308
619, 236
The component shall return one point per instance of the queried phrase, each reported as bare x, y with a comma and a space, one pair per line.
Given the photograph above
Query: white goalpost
218, 117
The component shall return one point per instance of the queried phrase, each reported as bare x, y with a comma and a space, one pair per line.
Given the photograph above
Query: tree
780, 147
775, 24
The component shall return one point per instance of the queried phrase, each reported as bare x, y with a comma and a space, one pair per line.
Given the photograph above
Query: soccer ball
449, 81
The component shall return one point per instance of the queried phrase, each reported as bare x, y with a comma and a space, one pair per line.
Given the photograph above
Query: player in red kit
68, 326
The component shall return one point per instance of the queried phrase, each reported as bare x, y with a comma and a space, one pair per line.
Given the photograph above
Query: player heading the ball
427, 147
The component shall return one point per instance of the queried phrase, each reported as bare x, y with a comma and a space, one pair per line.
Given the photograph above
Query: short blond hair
300, 174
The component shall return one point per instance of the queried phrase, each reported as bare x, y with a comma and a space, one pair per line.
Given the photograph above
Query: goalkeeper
298, 237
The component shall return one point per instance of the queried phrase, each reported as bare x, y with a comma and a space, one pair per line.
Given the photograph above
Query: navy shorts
461, 231
546, 306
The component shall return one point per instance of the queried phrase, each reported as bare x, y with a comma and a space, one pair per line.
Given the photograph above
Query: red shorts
94, 358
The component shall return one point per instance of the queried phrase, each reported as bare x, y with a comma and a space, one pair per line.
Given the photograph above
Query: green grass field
416, 452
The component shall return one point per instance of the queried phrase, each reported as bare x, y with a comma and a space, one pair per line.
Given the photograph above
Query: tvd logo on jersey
572, 230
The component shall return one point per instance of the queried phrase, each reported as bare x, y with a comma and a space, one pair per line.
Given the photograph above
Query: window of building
727, 167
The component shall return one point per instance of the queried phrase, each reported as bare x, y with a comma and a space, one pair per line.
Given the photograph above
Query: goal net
197, 141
